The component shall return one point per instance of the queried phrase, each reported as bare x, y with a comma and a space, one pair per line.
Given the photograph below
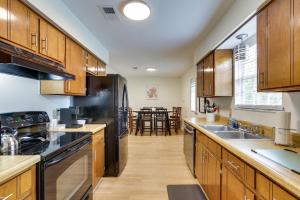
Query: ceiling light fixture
136, 10
150, 69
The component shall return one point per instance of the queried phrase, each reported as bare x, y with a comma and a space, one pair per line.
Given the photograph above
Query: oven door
68, 175
189, 147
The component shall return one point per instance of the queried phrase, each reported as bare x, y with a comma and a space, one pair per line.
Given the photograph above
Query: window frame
193, 83
259, 108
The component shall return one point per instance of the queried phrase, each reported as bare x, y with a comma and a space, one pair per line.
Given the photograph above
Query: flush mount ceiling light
136, 10
150, 69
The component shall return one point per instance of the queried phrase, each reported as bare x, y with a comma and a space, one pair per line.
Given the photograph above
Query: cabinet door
261, 49
213, 177
43, 37
9, 190
19, 23
232, 187
209, 75
199, 162
200, 79
4, 19
279, 44
75, 64
101, 68
26, 183
98, 157
33, 31
92, 64
52, 42
296, 71
263, 187
61, 48
280, 194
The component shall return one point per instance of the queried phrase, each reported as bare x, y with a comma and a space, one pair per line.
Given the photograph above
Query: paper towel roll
283, 120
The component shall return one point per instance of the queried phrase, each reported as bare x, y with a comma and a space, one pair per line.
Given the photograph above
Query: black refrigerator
106, 102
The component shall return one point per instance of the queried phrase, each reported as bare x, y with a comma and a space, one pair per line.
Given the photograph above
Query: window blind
193, 95
246, 94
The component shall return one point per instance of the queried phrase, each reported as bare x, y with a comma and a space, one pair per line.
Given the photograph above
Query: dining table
152, 113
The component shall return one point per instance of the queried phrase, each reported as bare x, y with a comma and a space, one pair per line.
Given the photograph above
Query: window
193, 95
246, 95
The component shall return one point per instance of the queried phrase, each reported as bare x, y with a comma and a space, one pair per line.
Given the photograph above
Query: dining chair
160, 120
173, 119
146, 121
132, 120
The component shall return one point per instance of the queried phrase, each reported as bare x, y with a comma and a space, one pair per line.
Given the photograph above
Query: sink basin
237, 135
218, 128
227, 132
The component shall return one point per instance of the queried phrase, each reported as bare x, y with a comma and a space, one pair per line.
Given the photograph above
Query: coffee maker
69, 116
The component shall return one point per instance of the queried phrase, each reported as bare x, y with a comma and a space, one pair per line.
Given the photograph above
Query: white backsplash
23, 94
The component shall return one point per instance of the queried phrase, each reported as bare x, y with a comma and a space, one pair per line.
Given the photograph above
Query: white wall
186, 92
23, 94
57, 11
169, 94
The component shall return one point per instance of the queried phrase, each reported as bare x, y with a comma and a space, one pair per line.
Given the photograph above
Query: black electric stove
63, 155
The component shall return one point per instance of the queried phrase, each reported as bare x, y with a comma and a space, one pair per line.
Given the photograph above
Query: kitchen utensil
9, 142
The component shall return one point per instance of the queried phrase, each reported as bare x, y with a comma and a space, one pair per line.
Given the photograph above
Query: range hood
19, 62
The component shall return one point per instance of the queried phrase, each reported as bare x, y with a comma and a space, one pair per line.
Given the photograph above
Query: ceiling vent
108, 12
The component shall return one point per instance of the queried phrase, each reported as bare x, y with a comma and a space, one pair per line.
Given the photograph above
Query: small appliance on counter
283, 134
69, 117
8, 140
63, 155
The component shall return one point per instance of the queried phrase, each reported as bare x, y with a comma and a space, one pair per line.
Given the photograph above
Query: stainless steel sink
218, 128
227, 132
237, 135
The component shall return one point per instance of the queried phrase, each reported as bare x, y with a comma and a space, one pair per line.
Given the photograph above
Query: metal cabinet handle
34, 38
7, 197
261, 78
232, 165
46, 46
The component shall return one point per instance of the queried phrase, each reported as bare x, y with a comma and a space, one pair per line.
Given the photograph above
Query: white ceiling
166, 40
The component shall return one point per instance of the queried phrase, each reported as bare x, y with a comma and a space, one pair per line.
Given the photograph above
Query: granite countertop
11, 166
242, 148
93, 128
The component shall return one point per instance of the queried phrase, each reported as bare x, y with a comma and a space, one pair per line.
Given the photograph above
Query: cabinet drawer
9, 190
235, 164
214, 148
202, 138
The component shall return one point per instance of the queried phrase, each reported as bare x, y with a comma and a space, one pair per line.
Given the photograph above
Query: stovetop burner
33, 137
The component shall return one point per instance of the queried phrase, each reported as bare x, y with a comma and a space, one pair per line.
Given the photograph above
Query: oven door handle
66, 155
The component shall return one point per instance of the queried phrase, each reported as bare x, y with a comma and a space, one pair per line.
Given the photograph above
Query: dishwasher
189, 145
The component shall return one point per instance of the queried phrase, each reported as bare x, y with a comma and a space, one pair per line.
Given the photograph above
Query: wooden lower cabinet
267, 190
22, 187
98, 157
207, 167
232, 187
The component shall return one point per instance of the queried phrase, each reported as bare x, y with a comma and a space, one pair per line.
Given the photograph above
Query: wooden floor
153, 163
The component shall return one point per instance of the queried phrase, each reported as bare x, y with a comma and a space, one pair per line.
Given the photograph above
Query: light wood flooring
153, 163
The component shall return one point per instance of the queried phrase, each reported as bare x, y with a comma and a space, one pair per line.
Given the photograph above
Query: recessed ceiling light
136, 10
150, 69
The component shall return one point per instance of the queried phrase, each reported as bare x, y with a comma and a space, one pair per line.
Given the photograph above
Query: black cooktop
54, 143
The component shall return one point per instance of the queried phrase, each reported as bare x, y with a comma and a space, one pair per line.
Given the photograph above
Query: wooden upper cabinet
75, 64
4, 19
278, 44
215, 74
200, 78
33, 31
52, 42
91, 64
209, 75
223, 72
296, 77
19, 23
262, 22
